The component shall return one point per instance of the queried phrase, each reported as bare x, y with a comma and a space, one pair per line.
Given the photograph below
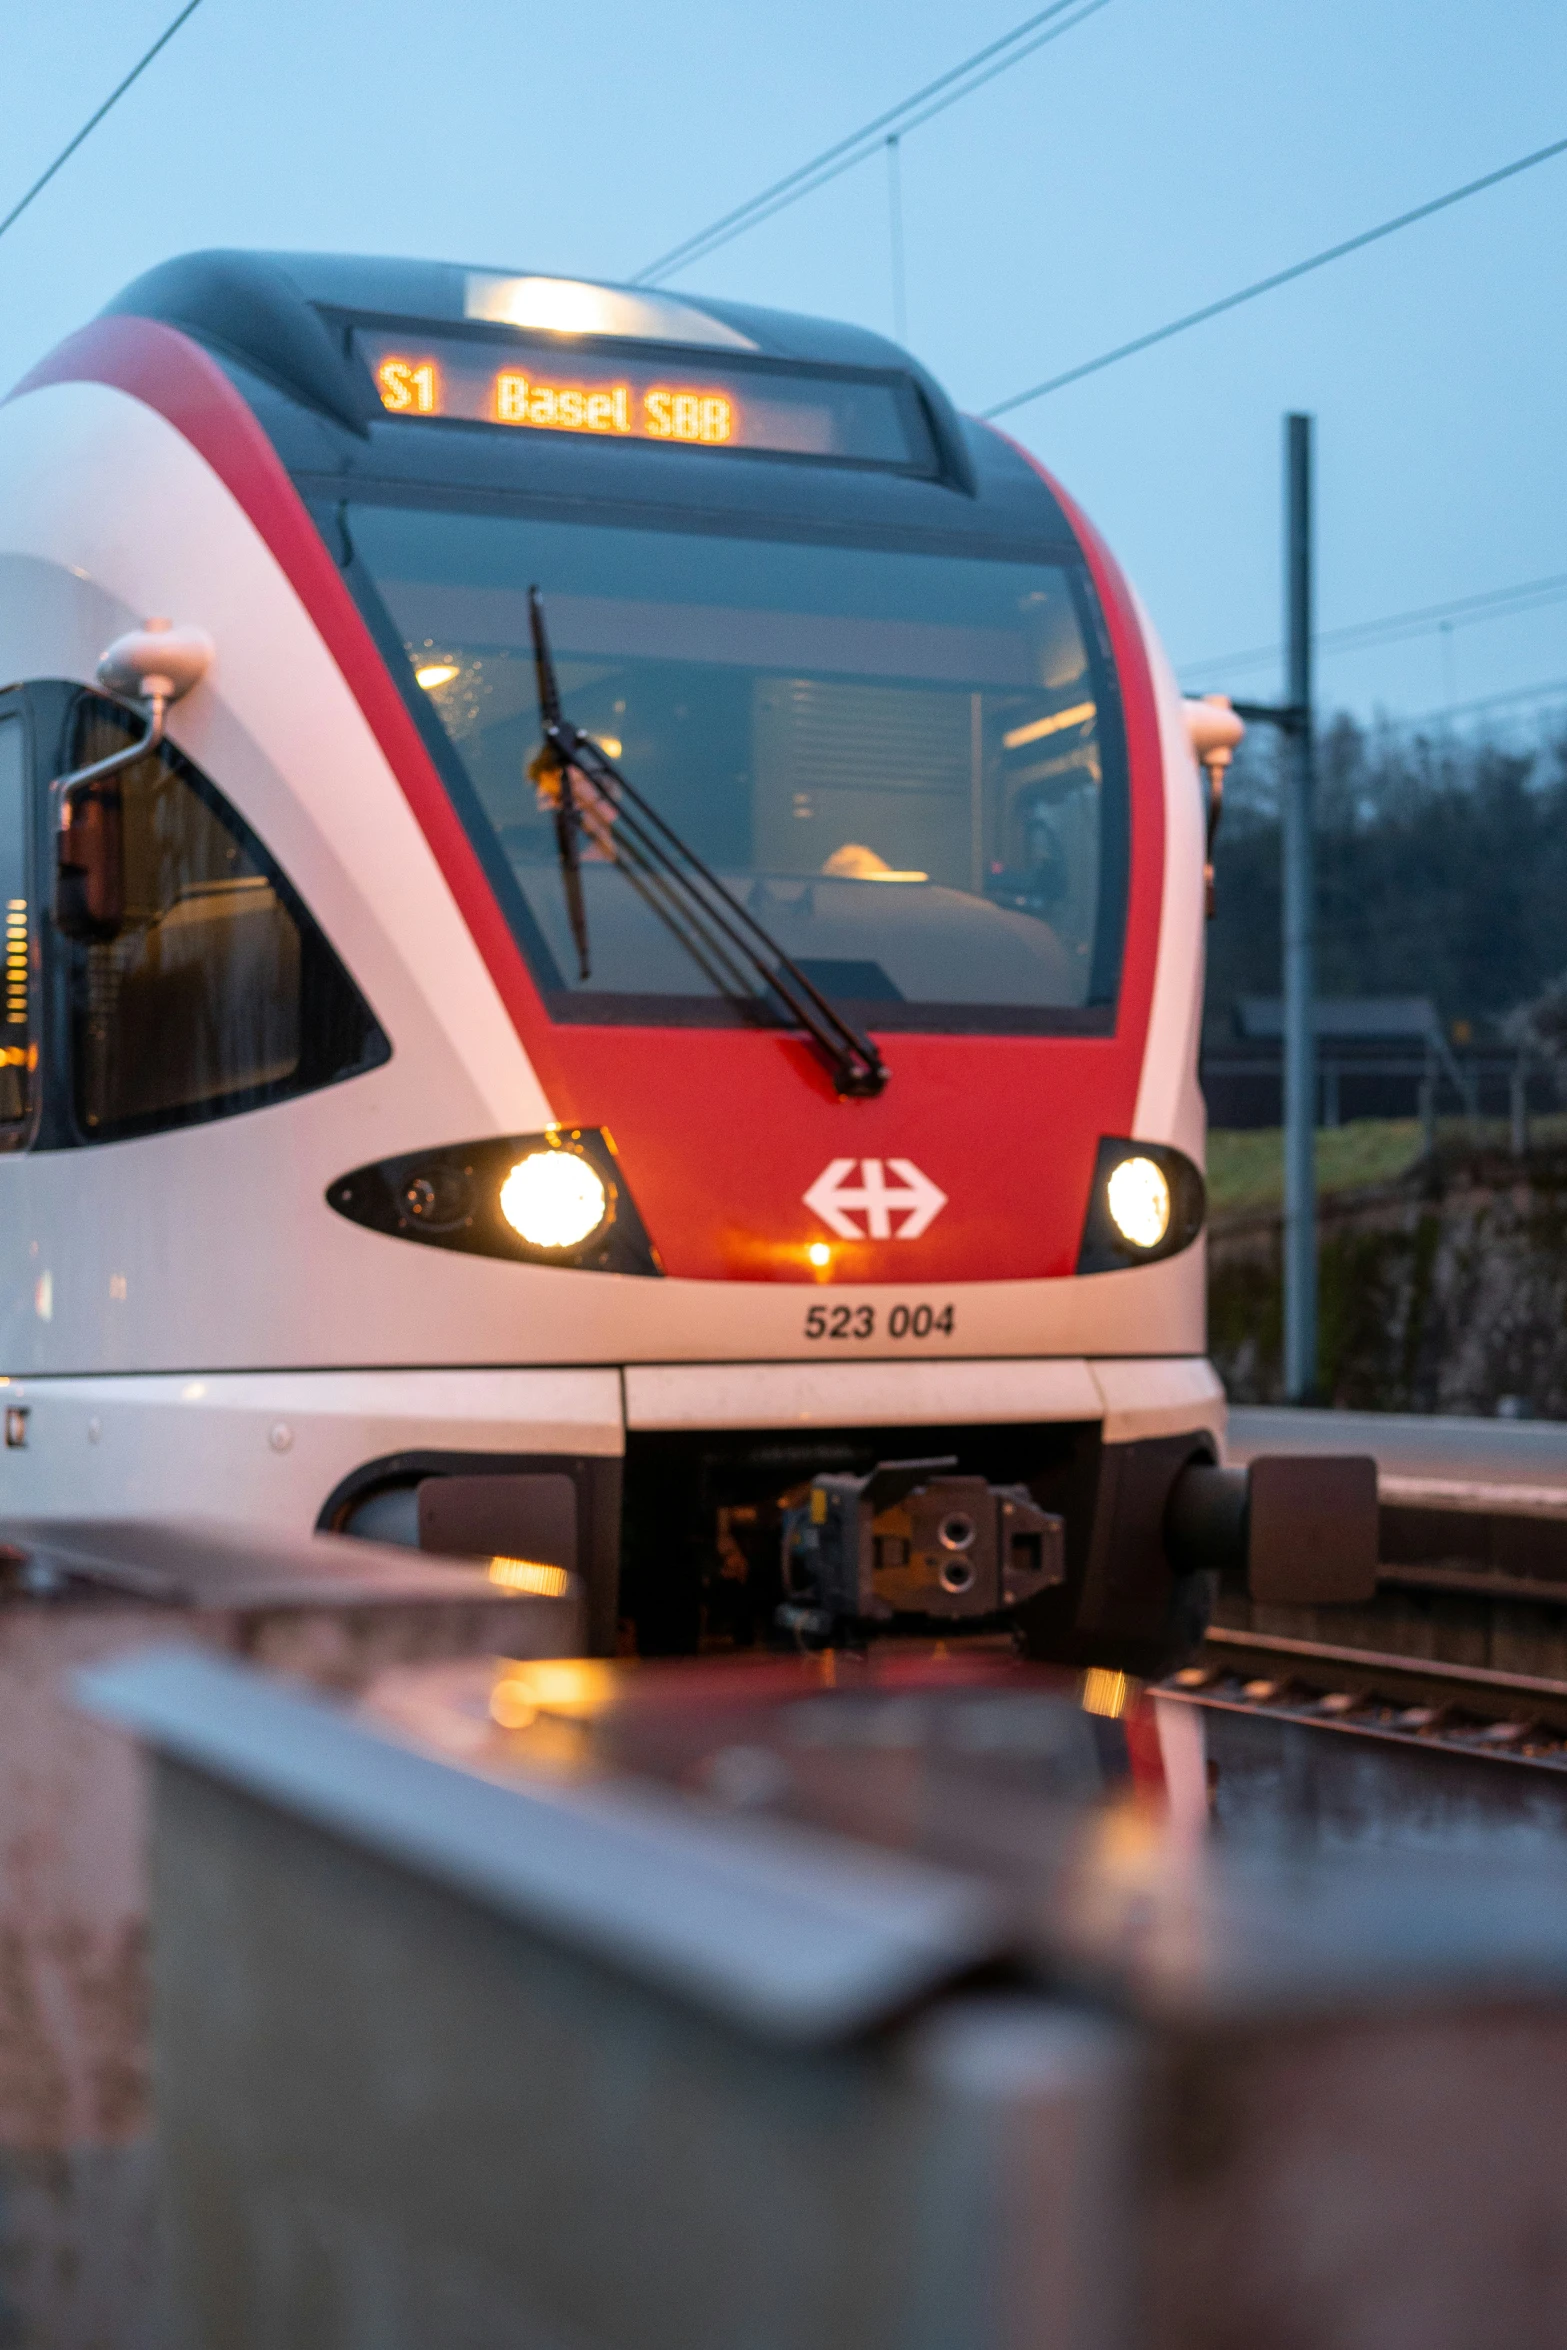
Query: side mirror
1215, 732
150, 668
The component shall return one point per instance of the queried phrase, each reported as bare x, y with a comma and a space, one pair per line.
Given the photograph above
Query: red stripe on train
722, 1131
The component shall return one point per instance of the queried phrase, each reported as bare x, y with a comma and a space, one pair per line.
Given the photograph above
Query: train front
764, 1171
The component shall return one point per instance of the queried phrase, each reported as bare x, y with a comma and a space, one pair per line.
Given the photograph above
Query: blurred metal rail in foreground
816, 2004
77, 2269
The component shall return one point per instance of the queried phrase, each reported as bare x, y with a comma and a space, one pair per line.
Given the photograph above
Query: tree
1441, 871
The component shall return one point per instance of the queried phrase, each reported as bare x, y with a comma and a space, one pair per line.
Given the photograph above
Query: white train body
188, 1324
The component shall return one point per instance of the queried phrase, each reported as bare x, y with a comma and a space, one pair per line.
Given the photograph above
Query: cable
1280, 277
978, 83
93, 120
1522, 693
846, 153
1550, 691
1493, 603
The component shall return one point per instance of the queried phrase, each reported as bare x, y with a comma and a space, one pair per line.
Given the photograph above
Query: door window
220, 993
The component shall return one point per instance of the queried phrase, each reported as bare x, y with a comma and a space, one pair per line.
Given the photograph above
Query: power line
93, 120
1009, 50
1551, 691
1492, 604
1280, 277
1554, 690
1498, 604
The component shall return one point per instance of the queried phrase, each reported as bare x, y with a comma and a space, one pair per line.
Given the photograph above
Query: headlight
1139, 1200
553, 1199
1146, 1202
559, 1198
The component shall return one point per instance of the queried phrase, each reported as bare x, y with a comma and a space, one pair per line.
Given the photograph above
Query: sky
1155, 157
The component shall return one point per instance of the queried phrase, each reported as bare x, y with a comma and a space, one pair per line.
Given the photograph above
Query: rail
1429, 1701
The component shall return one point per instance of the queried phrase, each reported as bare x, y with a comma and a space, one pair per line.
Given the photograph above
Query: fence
1244, 1087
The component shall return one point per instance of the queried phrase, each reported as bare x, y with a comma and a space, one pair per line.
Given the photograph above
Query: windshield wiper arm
644, 842
554, 762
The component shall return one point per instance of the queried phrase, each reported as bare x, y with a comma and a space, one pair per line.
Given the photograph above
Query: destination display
698, 407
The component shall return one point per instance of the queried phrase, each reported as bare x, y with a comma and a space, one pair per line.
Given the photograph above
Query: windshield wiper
552, 764
656, 860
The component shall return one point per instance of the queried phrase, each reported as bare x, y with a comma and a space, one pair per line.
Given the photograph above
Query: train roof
229, 293
277, 324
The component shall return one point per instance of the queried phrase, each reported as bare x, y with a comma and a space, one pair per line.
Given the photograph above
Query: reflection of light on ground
574, 1686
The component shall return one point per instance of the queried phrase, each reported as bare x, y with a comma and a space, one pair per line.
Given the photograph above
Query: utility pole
1292, 717
1300, 990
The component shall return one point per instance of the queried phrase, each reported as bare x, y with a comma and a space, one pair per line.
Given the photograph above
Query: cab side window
18, 1040
220, 992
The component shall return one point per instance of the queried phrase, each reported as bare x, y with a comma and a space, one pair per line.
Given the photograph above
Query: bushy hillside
1444, 1291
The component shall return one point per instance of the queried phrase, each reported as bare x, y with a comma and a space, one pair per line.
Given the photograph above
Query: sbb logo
838, 1199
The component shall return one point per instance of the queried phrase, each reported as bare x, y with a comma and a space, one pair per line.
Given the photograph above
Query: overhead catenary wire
1553, 690
1279, 277
997, 57
93, 120
1491, 604
1548, 694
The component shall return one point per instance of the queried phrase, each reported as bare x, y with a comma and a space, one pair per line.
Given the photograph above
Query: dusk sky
1149, 160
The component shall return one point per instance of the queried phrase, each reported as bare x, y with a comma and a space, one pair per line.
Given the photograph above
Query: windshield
908, 766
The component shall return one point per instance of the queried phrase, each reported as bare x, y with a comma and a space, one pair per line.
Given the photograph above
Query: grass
1246, 1166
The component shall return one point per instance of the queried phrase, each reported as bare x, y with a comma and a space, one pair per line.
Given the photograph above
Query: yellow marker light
553, 1199
819, 1254
1139, 1199
435, 673
1108, 1694
531, 1575
16, 969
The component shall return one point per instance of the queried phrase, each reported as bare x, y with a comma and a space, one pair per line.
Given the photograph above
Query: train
604, 947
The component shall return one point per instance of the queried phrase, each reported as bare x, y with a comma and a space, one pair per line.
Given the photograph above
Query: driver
594, 806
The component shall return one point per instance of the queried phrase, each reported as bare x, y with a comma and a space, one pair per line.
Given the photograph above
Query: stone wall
1446, 1292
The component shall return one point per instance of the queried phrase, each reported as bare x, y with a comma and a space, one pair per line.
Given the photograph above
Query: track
1440, 1708
1294, 1744
1428, 1700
